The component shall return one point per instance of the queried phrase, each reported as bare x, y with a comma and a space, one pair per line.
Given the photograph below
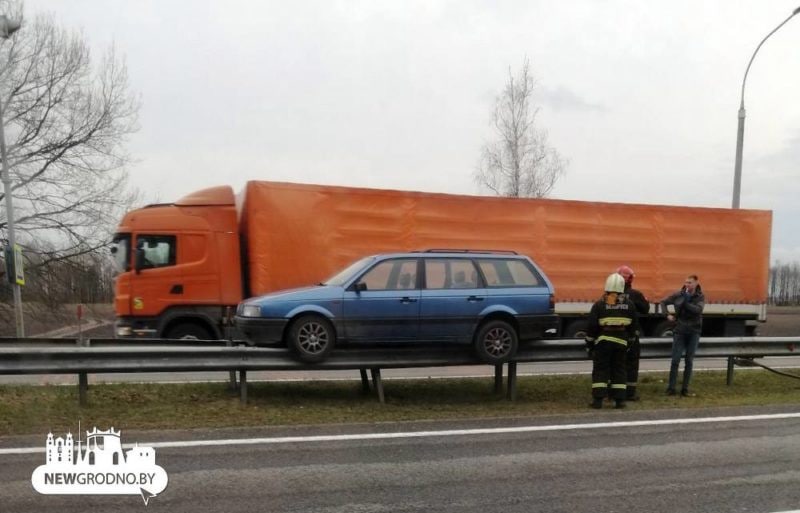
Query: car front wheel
311, 338
496, 342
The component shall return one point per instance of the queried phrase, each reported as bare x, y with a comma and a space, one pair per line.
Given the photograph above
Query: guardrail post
512, 381
83, 388
498, 379
378, 384
729, 377
83, 378
243, 386
364, 381
232, 374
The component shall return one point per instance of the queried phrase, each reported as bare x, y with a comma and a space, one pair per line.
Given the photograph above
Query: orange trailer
211, 249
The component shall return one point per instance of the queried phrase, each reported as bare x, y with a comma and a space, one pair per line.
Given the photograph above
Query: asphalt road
581, 367
750, 465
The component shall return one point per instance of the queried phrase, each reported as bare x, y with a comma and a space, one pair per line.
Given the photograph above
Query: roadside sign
19, 272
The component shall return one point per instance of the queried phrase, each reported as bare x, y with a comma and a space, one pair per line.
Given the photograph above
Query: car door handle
407, 300
176, 289
473, 299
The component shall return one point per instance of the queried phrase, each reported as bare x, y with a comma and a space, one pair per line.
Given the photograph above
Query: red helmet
626, 273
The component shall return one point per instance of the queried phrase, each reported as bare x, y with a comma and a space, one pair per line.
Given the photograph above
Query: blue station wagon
491, 300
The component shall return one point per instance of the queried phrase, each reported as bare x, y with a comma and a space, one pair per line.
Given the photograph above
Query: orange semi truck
186, 265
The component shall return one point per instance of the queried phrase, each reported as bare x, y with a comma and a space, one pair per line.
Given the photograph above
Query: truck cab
179, 267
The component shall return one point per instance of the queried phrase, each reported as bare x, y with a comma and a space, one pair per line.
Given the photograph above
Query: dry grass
32, 410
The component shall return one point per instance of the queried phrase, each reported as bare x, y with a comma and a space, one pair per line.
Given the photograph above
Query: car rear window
509, 273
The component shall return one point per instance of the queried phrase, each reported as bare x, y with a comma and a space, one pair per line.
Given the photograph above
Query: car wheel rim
313, 337
497, 342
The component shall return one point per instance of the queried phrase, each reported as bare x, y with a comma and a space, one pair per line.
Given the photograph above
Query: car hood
301, 294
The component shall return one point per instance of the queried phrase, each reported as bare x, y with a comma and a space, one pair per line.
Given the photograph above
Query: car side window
398, 274
509, 273
444, 273
159, 250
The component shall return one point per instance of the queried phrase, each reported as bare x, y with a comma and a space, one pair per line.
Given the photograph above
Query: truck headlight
250, 311
124, 331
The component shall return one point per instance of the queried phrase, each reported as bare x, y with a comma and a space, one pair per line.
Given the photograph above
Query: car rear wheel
496, 342
311, 338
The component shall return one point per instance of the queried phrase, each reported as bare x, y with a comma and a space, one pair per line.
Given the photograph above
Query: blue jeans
683, 342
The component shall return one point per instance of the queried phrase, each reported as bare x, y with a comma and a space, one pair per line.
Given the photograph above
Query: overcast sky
641, 97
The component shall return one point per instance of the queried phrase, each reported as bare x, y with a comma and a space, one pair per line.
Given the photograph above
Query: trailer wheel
496, 342
664, 329
188, 331
576, 329
311, 338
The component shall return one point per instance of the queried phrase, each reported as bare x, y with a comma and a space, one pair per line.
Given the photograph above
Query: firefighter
613, 322
634, 350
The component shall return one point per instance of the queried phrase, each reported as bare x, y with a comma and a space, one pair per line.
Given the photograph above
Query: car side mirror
360, 287
138, 260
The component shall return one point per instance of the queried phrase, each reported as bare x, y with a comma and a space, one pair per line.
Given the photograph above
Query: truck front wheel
188, 331
311, 338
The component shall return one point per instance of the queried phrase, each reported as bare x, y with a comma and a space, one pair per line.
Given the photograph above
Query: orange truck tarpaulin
301, 234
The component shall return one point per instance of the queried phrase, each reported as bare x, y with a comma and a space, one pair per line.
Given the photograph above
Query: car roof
452, 254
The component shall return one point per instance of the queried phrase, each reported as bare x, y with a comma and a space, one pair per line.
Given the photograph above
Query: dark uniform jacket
688, 309
618, 323
638, 300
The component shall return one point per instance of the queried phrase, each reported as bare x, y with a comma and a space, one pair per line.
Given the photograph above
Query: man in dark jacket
634, 349
688, 304
612, 323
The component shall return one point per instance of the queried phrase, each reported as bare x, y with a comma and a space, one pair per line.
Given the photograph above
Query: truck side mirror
138, 262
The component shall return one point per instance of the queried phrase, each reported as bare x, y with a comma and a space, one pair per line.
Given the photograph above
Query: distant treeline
784, 284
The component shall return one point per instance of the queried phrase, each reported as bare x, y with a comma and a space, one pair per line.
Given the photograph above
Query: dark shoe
596, 403
619, 405
686, 393
670, 391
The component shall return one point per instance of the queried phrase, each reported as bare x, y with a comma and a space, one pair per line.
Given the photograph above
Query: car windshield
341, 277
121, 252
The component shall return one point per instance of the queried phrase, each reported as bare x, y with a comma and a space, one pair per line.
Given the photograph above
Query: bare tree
784, 284
67, 122
519, 162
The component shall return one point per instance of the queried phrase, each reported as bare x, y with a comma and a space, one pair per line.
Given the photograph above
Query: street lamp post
737, 173
8, 27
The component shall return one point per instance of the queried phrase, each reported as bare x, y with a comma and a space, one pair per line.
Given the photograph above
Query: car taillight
552, 302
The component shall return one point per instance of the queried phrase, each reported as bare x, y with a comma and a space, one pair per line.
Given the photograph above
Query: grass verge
37, 409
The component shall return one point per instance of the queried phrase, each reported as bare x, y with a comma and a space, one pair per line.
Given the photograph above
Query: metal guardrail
91, 356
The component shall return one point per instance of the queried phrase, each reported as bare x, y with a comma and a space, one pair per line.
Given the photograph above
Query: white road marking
442, 433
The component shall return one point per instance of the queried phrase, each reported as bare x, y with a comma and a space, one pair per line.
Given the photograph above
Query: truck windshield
342, 276
121, 251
